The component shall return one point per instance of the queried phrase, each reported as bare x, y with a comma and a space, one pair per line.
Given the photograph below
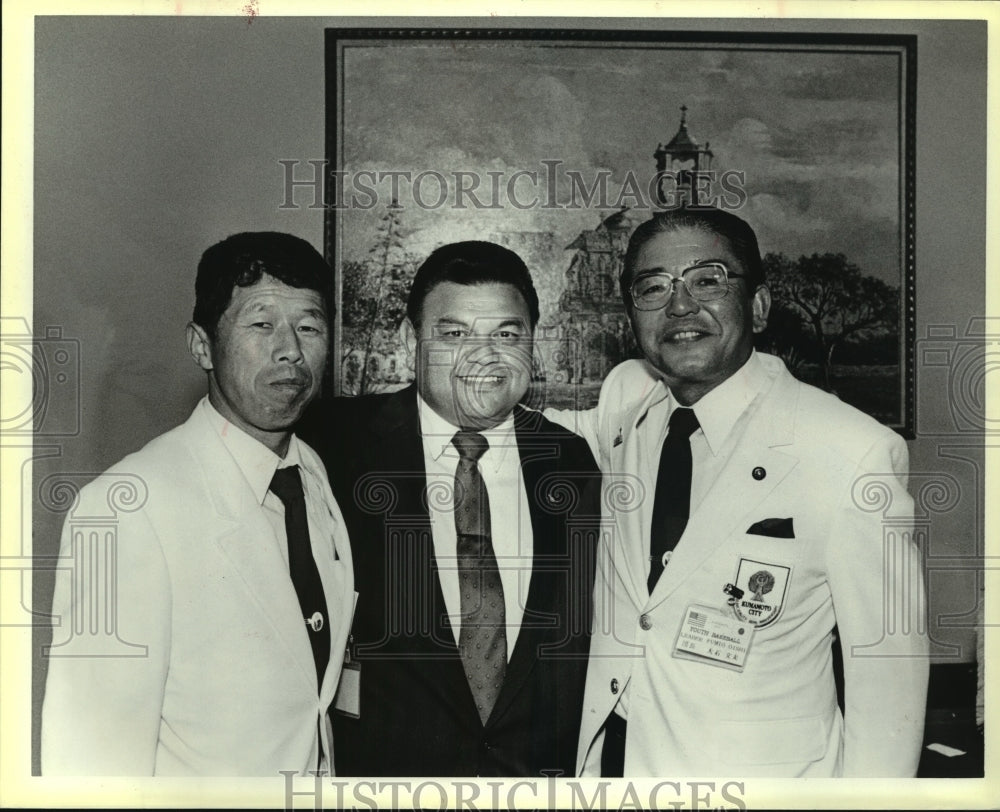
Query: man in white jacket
231, 586
749, 516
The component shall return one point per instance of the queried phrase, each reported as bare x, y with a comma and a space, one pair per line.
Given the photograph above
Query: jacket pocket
773, 741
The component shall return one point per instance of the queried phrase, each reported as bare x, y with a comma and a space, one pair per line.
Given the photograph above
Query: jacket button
646, 623
614, 686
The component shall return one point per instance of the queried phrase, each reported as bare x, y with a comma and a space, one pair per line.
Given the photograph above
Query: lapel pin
758, 473
618, 439
734, 592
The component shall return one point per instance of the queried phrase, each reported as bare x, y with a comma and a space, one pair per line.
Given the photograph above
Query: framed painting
557, 143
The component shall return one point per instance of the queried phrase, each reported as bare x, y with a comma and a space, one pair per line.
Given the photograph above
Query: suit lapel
719, 515
632, 495
538, 459
399, 452
245, 537
335, 564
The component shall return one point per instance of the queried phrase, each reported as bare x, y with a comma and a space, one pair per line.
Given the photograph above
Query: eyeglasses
704, 282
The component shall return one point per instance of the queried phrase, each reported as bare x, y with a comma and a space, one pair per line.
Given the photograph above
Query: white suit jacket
840, 477
207, 668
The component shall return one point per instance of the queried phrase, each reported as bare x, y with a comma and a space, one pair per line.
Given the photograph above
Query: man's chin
286, 416
480, 421
681, 366
485, 414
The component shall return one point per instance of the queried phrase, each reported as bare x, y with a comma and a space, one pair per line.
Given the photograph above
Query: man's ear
408, 337
200, 346
760, 306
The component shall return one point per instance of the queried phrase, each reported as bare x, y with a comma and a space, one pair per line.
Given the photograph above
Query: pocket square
775, 528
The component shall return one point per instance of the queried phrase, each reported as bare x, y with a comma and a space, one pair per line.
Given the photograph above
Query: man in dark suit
473, 523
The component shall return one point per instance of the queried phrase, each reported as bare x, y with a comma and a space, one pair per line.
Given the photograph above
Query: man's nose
681, 303
287, 346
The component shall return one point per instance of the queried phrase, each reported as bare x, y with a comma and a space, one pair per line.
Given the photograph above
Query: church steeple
687, 159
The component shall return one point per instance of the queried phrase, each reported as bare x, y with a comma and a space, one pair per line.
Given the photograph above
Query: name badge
708, 636
348, 698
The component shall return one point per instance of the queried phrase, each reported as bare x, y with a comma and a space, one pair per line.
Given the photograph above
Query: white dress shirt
720, 413
258, 463
510, 517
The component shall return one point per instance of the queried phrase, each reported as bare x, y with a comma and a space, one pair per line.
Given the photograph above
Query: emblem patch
764, 587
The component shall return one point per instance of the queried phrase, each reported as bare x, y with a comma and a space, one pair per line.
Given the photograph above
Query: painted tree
374, 295
833, 299
786, 336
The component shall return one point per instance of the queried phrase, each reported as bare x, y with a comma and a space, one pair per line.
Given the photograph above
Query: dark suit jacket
418, 716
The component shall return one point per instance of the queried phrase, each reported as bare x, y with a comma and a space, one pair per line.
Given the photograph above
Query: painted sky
815, 132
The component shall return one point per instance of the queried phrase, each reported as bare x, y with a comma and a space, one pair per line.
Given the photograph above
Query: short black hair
472, 262
737, 232
242, 259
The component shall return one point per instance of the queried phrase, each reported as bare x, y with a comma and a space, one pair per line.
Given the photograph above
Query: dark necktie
287, 486
673, 491
482, 641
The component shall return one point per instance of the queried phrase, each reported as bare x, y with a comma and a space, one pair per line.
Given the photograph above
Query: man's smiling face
472, 350
696, 345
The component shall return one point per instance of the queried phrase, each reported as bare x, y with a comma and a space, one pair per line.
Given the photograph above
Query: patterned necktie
287, 486
482, 641
673, 491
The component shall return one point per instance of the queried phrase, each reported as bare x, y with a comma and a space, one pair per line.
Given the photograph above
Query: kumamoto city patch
764, 587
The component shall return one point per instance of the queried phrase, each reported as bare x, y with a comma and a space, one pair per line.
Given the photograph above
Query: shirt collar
720, 409
436, 433
254, 459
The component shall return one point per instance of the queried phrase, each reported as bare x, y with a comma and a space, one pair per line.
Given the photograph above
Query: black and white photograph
497, 410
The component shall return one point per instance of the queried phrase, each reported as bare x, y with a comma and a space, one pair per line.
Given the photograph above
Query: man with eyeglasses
750, 518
